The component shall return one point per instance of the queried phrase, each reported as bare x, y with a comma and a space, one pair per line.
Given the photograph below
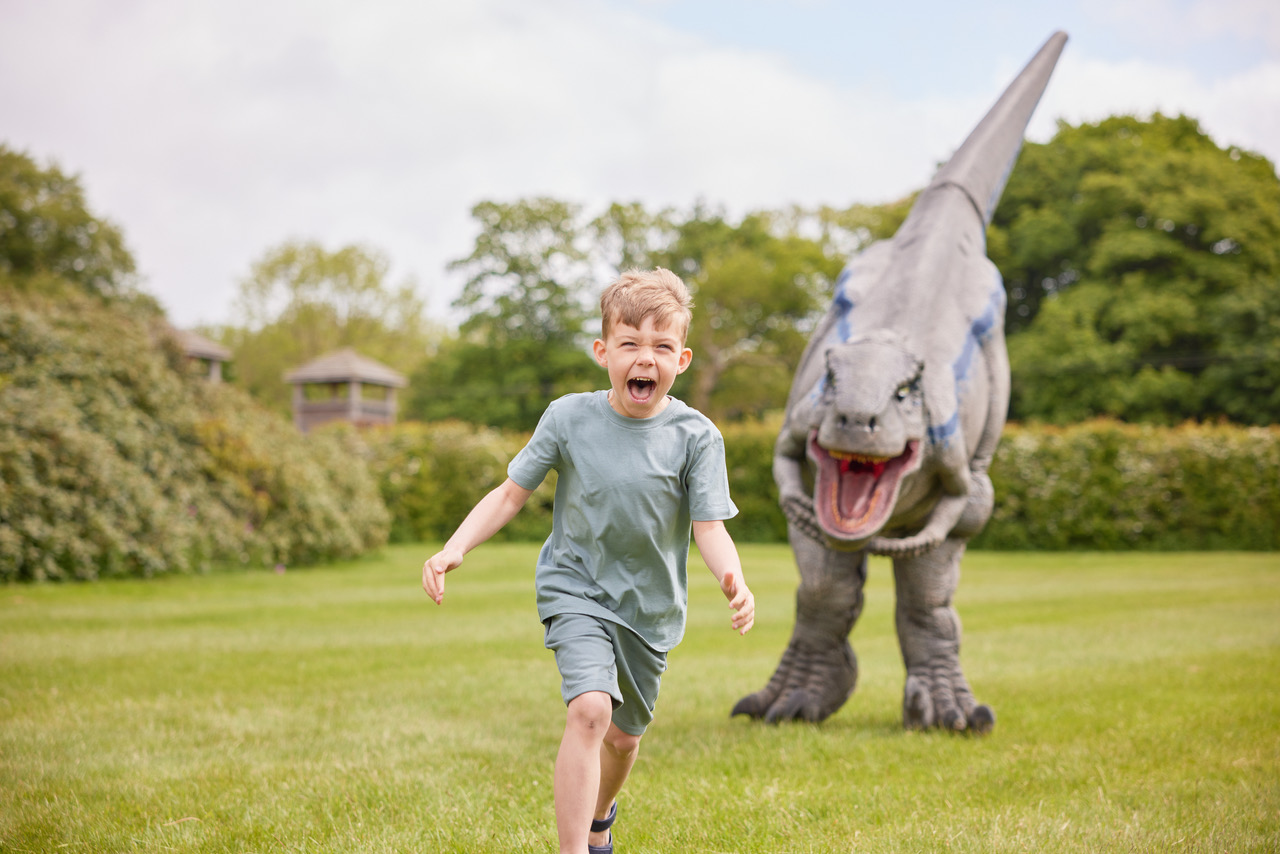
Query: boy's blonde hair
639, 294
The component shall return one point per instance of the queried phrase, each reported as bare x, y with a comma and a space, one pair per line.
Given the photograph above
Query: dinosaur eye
903, 391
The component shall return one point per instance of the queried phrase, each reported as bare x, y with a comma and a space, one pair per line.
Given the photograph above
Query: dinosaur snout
867, 434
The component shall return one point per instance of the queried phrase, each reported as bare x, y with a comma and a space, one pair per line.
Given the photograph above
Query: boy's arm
487, 518
721, 556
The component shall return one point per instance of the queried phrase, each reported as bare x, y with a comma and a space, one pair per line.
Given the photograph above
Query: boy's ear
600, 352
686, 356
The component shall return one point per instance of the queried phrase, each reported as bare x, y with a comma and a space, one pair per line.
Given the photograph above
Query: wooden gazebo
200, 351
344, 386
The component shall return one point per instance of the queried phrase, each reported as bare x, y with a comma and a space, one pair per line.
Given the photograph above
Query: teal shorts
599, 655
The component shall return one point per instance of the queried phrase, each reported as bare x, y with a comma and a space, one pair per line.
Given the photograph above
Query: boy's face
642, 365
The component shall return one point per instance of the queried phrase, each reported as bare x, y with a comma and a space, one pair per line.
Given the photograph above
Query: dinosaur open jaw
855, 494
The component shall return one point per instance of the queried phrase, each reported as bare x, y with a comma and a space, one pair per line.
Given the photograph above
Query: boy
637, 470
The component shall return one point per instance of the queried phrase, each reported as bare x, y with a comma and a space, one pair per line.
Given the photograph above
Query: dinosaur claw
750, 706
953, 720
790, 708
982, 720
944, 701
810, 684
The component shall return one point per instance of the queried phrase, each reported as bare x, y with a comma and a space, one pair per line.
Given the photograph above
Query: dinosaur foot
810, 684
943, 700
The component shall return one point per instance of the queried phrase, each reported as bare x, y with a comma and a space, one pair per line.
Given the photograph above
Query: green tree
757, 286
524, 341
301, 300
847, 231
49, 240
628, 237
1142, 263
528, 274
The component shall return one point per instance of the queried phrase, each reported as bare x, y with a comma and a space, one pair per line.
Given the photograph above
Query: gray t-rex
892, 421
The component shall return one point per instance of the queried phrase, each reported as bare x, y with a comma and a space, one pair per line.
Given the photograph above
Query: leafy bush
1099, 485
1108, 485
114, 460
432, 474
748, 451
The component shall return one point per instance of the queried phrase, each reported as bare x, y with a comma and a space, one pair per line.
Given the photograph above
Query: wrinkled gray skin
892, 421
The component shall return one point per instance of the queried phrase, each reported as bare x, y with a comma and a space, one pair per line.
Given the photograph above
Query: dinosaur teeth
848, 457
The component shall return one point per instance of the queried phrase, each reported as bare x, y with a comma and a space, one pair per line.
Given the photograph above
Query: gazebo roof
343, 366
198, 347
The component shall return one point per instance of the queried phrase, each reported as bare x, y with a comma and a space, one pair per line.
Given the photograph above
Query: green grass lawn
337, 709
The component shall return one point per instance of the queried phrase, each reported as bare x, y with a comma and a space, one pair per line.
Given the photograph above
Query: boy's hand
434, 569
741, 601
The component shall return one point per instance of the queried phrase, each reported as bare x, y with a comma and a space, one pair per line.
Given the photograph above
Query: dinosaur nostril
871, 425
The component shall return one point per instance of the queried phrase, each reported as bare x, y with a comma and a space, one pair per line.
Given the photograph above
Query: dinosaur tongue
855, 486
854, 496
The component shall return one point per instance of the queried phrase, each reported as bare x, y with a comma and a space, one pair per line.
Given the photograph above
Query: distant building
344, 386
208, 355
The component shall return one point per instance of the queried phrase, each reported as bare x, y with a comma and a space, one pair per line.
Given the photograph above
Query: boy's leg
607, 673
578, 768
617, 755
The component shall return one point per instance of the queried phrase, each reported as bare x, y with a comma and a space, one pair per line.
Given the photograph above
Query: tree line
1141, 262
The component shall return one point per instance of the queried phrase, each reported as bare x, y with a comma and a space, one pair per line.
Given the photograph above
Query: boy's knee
591, 711
621, 743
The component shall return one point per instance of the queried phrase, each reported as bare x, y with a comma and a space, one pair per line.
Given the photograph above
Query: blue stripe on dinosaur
942, 434
843, 305
843, 330
979, 331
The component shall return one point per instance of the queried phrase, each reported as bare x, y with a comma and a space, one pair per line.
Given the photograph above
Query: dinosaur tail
981, 166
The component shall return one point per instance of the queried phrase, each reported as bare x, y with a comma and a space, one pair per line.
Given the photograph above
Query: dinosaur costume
892, 420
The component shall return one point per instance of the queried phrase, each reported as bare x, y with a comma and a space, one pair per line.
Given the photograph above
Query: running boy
637, 470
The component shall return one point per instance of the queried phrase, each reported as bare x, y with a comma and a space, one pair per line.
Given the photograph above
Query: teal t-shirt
627, 493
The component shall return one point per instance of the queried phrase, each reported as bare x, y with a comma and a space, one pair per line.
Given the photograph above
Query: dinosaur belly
854, 495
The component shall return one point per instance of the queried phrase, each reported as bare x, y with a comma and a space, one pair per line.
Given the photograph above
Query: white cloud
214, 130
1180, 24
1239, 109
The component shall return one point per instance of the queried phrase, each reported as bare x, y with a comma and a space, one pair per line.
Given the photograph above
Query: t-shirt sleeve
529, 467
708, 482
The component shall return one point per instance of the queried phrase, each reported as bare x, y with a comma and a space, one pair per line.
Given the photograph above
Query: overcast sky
212, 130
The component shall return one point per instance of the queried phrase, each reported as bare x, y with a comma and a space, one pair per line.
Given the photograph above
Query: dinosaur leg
818, 669
936, 693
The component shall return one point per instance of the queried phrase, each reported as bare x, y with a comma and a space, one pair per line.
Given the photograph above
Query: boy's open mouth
641, 388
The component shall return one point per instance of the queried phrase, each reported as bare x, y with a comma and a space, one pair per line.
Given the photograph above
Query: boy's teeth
641, 387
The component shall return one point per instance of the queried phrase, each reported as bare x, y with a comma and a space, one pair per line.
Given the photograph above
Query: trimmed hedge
1098, 485
1108, 485
115, 460
748, 451
432, 474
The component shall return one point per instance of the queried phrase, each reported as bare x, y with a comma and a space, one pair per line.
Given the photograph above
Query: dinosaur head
866, 434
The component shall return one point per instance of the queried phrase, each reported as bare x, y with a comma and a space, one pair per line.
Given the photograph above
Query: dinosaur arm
946, 513
788, 473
